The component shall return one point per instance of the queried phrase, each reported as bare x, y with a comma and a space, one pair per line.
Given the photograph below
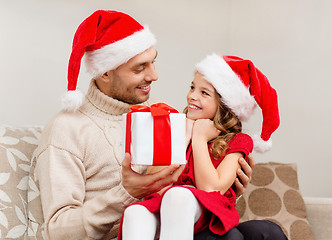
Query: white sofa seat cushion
319, 214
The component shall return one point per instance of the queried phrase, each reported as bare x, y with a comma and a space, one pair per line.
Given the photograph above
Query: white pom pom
72, 100
260, 145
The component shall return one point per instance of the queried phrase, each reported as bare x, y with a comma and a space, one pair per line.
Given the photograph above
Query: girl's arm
207, 177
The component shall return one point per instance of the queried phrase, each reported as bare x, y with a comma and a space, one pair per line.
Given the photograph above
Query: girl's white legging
179, 211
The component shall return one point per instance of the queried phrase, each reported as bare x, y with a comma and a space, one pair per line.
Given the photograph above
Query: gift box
155, 135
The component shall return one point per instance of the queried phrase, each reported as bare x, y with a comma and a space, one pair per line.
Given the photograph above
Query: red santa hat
108, 39
241, 86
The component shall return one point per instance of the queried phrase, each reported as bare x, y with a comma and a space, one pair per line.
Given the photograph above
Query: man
85, 182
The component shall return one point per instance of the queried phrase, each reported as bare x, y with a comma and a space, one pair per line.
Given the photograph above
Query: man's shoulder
66, 120
65, 130
65, 125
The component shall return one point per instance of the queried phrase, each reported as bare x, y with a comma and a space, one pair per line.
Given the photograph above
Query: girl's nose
192, 95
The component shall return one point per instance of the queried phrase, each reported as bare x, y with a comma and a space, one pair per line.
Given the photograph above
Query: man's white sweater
79, 169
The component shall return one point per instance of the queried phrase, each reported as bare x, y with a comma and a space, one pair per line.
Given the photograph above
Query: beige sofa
274, 194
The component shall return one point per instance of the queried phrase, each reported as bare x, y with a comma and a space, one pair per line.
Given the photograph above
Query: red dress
219, 212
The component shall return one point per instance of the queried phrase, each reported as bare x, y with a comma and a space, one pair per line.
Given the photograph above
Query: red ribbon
162, 141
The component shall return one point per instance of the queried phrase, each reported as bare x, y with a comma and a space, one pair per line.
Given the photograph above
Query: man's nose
151, 74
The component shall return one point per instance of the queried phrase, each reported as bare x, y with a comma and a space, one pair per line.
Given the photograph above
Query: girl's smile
193, 106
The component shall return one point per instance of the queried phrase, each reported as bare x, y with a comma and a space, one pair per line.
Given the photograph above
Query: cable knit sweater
79, 169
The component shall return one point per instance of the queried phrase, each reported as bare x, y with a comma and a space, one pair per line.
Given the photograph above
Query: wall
287, 40
291, 42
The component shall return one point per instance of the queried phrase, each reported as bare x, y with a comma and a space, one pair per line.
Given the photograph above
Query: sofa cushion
36, 223
274, 195
17, 146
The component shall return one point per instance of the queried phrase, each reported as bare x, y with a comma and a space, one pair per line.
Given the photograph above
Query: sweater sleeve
62, 179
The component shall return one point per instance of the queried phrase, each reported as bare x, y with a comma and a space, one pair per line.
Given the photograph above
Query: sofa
273, 194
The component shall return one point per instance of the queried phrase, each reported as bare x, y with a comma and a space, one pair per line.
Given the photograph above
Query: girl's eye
205, 93
192, 87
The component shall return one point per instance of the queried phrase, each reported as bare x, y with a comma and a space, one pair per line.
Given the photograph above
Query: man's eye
138, 70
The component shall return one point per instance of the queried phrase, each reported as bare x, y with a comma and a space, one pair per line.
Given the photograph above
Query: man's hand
244, 175
139, 186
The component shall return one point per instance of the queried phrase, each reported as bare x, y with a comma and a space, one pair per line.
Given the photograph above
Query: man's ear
104, 81
106, 77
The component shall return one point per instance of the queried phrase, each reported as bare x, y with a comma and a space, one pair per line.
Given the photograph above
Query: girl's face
201, 99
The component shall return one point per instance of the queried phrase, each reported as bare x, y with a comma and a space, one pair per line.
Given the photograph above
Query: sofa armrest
319, 214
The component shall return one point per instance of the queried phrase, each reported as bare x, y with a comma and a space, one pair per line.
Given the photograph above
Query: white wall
290, 41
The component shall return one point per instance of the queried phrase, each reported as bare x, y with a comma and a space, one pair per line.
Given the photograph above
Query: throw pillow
274, 195
17, 146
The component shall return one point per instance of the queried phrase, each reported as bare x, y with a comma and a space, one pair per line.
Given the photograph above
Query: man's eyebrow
144, 63
139, 64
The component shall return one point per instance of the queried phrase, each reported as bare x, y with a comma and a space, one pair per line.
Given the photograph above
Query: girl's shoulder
241, 137
241, 142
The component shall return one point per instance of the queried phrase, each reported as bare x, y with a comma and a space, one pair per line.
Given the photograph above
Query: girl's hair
228, 124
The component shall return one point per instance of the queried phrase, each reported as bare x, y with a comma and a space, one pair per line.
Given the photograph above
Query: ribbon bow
157, 110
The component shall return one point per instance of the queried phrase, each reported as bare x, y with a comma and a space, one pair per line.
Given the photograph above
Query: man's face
131, 81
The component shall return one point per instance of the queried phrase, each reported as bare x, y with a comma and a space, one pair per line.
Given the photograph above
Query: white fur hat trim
113, 55
72, 100
228, 84
260, 145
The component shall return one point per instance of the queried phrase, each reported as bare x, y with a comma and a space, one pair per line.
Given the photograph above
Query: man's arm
244, 175
140, 186
62, 187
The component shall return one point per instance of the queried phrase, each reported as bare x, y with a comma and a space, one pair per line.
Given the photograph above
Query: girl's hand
189, 129
205, 130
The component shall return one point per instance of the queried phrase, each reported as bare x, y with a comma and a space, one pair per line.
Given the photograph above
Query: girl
220, 97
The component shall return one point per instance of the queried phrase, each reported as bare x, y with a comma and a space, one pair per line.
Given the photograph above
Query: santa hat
242, 86
108, 39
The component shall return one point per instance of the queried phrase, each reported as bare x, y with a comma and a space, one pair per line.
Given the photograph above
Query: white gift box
144, 147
